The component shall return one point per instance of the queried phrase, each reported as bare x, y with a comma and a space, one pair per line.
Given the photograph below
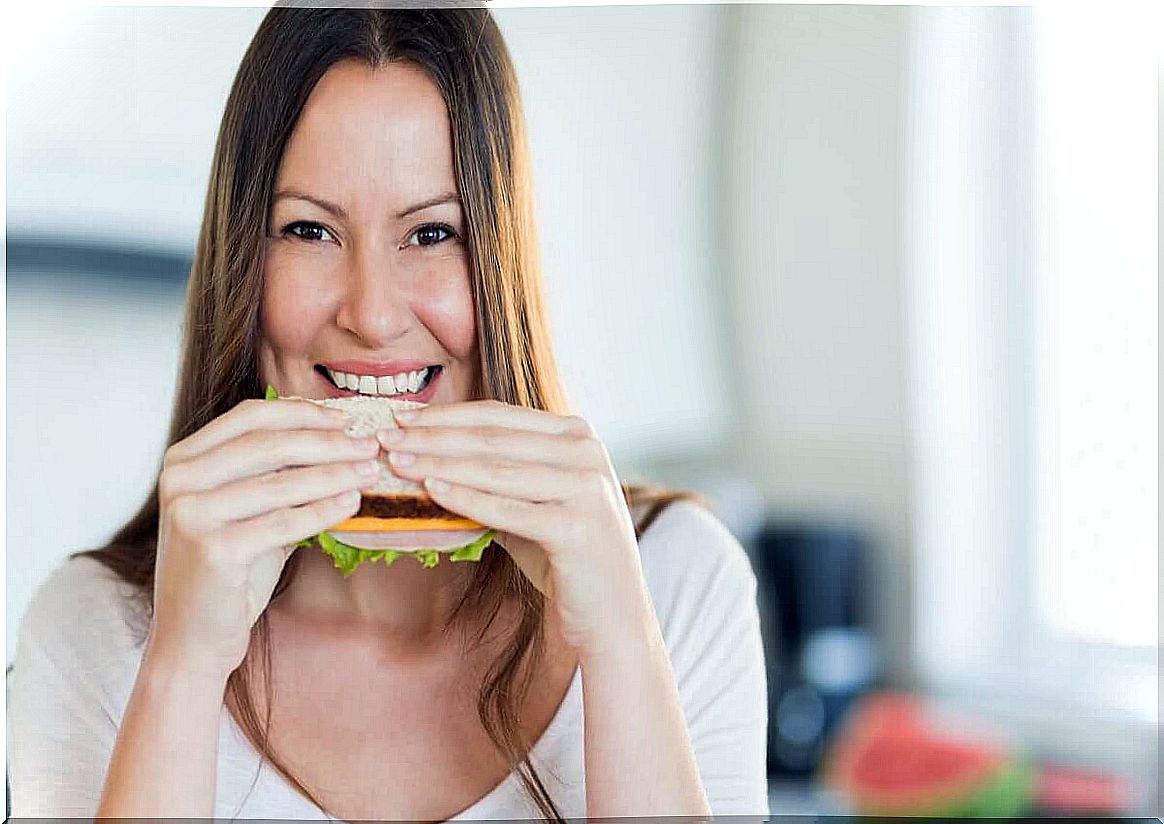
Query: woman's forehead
371, 133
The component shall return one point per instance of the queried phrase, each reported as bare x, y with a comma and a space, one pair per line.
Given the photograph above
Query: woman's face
366, 281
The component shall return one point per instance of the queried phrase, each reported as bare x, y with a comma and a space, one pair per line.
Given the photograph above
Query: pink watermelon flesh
1074, 791
887, 762
902, 766
906, 775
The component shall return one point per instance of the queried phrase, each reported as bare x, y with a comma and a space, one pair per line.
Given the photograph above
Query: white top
77, 659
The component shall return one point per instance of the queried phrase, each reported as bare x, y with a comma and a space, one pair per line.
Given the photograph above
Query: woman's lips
423, 396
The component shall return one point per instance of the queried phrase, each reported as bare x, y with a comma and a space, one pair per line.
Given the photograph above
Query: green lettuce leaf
472, 552
271, 393
427, 557
348, 558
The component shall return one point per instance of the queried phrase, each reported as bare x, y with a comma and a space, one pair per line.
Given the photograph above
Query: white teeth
383, 385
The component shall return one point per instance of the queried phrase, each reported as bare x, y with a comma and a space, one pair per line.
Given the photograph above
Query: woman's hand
546, 482
234, 498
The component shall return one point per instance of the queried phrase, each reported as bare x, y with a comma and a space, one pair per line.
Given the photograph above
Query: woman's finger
284, 527
535, 522
252, 497
252, 414
495, 442
531, 482
264, 450
494, 413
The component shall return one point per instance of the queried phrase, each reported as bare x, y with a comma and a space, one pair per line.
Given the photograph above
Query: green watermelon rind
1007, 795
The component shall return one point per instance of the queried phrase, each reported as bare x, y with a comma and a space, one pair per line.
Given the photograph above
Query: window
1032, 306
1096, 337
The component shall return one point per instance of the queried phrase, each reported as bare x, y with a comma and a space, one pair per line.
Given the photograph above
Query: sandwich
396, 516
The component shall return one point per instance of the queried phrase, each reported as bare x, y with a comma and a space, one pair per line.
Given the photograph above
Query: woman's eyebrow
438, 200
338, 211
293, 194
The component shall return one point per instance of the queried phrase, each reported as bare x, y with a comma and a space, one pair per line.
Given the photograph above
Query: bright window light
1096, 339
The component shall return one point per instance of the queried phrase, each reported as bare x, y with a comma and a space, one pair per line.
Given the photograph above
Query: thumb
530, 558
265, 571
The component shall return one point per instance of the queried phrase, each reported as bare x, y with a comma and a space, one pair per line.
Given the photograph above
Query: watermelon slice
889, 760
1067, 790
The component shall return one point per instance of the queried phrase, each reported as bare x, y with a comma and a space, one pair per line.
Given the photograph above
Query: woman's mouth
414, 385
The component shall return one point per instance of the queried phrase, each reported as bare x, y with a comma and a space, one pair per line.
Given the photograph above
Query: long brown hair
463, 52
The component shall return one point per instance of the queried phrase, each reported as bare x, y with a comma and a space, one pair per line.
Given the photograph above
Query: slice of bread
366, 415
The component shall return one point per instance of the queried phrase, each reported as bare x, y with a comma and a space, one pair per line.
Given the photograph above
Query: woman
369, 210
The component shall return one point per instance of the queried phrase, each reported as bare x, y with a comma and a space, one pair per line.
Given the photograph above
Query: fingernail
436, 485
405, 417
390, 436
401, 458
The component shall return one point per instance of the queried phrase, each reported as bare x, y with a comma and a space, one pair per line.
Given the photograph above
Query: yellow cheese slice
366, 524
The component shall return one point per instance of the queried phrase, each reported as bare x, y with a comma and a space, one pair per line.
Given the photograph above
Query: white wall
81, 459
813, 226
112, 119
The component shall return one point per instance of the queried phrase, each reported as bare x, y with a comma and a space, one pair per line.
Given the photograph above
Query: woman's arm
705, 615
705, 592
165, 758
639, 756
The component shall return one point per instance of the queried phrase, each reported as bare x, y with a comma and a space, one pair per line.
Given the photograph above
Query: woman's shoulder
688, 554
688, 532
74, 667
83, 608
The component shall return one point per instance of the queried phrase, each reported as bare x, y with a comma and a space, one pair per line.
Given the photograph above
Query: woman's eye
306, 230
430, 235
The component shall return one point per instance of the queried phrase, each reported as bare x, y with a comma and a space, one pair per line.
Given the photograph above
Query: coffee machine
814, 592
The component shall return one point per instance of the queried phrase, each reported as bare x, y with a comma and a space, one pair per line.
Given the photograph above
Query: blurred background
880, 281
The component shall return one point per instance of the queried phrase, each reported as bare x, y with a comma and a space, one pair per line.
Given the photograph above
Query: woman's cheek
294, 307
448, 312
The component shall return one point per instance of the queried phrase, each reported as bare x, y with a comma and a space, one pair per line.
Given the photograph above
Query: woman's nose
374, 307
